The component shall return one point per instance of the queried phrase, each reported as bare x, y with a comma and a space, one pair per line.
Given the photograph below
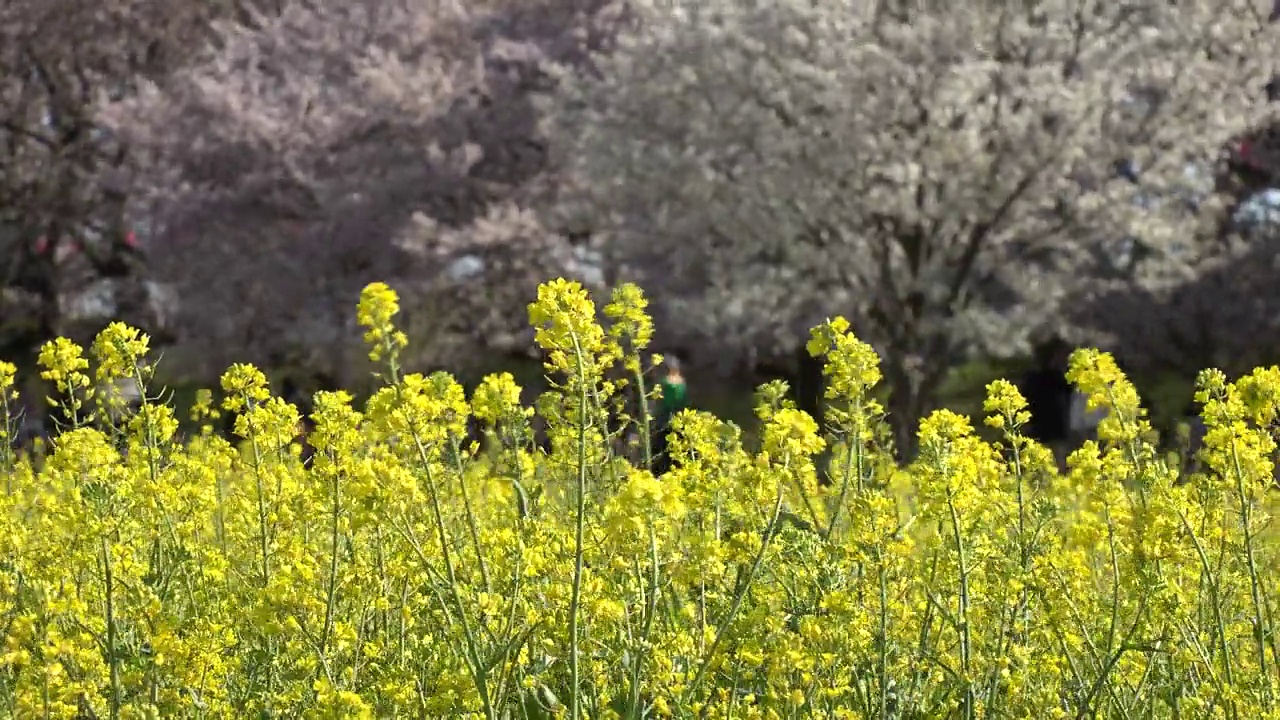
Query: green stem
1211, 579
854, 452
478, 670
635, 712
580, 513
962, 615
263, 547
10, 428
332, 592
1255, 587
264, 528
645, 420
113, 660
723, 626
471, 516
882, 660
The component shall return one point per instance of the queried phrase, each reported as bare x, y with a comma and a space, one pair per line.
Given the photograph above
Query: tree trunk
47, 325
913, 392
809, 391
49, 291
810, 385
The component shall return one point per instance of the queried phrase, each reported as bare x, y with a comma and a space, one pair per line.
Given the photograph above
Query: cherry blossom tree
1226, 315
945, 174
1220, 307
336, 142
64, 237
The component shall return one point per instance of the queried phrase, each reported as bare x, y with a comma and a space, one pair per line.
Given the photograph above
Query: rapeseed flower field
404, 573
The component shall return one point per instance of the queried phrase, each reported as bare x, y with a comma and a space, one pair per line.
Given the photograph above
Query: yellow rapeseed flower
395, 573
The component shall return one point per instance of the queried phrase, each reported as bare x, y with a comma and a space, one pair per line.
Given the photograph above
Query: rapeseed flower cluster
403, 572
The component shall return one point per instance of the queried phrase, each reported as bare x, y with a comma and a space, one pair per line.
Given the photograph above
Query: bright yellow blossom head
337, 423
792, 433
941, 430
244, 385
388, 575
566, 328
1098, 376
1005, 406
204, 407
8, 395
8, 379
64, 365
852, 365
627, 311
379, 305
497, 398
119, 350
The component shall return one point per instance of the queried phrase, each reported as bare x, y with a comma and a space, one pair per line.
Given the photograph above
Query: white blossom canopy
945, 177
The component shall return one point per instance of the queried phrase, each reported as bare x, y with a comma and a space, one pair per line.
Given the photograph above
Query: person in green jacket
675, 397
